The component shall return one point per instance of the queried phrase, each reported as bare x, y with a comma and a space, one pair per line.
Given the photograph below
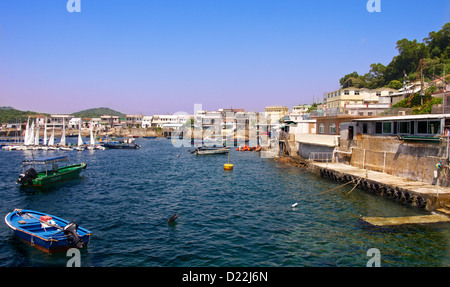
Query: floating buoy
295, 204
175, 216
228, 166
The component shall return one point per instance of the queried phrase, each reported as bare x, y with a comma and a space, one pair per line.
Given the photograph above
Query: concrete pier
427, 196
393, 221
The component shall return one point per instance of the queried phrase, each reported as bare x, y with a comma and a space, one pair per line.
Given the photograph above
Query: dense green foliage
313, 107
420, 104
413, 59
97, 112
11, 115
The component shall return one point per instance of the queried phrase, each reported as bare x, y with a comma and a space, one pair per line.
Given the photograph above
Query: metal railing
321, 156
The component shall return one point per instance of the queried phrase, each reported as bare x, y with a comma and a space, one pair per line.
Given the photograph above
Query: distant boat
121, 145
80, 146
63, 136
48, 176
125, 144
211, 150
47, 232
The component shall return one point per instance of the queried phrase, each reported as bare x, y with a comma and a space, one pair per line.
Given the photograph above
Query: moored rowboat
47, 232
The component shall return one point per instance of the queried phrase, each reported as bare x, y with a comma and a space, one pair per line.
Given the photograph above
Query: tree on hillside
410, 53
375, 78
348, 79
414, 61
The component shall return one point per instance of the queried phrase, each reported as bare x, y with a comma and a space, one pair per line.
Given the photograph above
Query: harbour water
238, 218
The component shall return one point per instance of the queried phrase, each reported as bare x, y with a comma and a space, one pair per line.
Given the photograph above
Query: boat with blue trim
52, 172
47, 232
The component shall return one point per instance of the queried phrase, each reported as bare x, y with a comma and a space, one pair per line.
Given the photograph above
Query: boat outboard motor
28, 176
71, 230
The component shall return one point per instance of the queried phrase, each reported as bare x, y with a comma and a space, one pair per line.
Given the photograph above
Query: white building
161, 120
347, 97
147, 121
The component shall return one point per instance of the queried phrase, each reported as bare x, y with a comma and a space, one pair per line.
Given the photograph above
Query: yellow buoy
228, 166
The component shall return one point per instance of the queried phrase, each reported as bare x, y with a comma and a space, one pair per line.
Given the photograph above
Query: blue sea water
238, 218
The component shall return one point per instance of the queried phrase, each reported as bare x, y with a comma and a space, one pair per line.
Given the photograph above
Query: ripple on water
238, 218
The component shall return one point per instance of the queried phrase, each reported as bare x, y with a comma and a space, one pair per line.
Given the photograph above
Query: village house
406, 146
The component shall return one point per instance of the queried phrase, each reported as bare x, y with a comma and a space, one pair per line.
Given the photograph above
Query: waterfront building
109, 121
407, 146
275, 113
74, 123
58, 120
147, 121
133, 121
159, 121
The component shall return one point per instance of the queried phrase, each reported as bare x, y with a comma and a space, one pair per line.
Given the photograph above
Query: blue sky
158, 57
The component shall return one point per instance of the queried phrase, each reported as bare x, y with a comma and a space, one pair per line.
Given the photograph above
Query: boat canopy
45, 160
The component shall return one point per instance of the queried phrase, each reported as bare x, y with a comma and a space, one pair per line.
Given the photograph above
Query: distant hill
97, 112
11, 115
7, 108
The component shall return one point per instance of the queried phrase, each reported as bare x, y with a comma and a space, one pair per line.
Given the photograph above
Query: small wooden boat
47, 232
211, 150
48, 176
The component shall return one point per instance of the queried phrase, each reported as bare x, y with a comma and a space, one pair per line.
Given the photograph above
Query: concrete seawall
427, 196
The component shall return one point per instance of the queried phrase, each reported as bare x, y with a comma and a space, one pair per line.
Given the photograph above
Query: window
422, 127
379, 94
434, 127
378, 127
357, 93
332, 129
403, 127
346, 92
387, 127
321, 129
365, 128
429, 127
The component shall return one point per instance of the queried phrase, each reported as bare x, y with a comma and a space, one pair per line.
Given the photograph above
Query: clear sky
159, 56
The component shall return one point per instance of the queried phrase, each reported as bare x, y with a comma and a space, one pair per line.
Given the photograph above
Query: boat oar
45, 222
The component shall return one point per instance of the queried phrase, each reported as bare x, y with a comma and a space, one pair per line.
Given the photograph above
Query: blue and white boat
47, 232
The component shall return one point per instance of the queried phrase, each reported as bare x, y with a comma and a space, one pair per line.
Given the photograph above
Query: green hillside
415, 60
97, 112
11, 115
